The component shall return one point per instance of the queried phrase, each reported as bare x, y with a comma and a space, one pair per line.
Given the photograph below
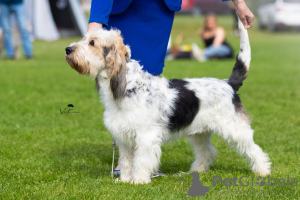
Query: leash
113, 159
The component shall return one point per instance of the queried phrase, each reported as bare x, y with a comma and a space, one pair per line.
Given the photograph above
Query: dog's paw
140, 181
264, 172
196, 167
263, 168
125, 179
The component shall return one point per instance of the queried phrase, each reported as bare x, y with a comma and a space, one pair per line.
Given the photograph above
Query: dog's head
102, 52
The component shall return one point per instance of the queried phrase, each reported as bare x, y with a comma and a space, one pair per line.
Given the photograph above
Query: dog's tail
241, 67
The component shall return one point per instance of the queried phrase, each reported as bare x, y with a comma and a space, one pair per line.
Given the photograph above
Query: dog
143, 111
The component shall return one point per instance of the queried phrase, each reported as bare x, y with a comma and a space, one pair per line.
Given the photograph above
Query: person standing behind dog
17, 8
146, 26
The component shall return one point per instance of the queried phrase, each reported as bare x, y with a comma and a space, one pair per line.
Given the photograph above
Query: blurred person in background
1, 38
214, 38
179, 50
146, 26
15, 7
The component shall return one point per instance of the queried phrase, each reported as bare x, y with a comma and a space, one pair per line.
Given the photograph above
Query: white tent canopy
52, 19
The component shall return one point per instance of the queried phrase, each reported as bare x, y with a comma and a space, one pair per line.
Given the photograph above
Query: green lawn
48, 155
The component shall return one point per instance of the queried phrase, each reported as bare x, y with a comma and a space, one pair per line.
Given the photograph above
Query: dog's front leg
126, 161
146, 157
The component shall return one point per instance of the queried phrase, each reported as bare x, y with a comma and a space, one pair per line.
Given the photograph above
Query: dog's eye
92, 42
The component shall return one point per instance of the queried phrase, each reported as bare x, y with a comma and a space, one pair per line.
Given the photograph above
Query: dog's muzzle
69, 50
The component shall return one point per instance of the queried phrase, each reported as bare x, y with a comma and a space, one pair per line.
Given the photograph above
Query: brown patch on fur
117, 65
114, 54
116, 61
121, 48
78, 66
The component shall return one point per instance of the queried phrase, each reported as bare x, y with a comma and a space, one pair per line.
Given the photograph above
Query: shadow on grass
84, 158
231, 169
95, 160
184, 165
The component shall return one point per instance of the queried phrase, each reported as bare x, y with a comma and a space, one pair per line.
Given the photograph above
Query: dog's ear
117, 66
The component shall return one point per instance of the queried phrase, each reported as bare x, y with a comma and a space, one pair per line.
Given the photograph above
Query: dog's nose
69, 50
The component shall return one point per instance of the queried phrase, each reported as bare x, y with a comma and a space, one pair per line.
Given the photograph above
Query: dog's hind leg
238, 132
147, 155
205, 153
126, 161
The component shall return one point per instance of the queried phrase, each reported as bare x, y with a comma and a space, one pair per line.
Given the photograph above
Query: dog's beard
79, 67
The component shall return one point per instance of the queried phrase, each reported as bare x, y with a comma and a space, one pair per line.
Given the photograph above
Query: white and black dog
143, 111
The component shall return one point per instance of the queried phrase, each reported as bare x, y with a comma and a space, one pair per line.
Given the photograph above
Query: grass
48, 155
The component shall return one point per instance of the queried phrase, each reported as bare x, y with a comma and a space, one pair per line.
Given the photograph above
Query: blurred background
60, 11
50, 20
271, 14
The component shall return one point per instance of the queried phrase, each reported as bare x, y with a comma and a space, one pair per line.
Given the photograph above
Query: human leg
1, 36
218, 51
197, 53
6, 23
19, 11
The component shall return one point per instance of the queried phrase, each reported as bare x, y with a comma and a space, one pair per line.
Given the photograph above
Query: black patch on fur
236, 101
238, 106
92, 43
131, 92
97, 84
238, 75
127, 57
139, 87
106, 50
186, 105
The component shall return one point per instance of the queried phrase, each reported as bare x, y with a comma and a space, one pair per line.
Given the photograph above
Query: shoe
159, 173
169, 57
197, 53
117, 172
29, 57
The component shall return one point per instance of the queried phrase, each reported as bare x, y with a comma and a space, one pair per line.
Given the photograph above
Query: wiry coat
143, 111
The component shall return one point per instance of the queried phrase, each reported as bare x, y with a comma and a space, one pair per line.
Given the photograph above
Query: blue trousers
146, 27
19, 12
220, 51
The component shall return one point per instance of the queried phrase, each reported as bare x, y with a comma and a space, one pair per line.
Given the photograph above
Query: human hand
92, 26
244, 13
